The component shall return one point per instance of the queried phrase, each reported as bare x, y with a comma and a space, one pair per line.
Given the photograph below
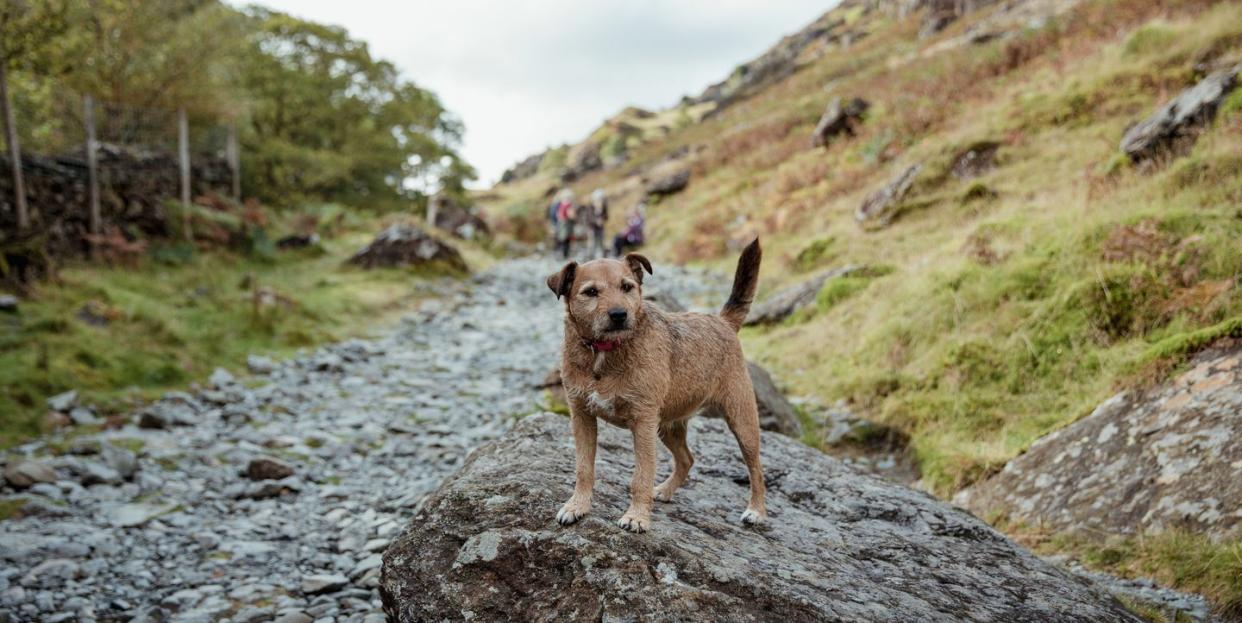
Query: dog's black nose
617, 316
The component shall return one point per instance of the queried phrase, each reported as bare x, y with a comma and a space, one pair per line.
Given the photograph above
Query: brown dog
639, 367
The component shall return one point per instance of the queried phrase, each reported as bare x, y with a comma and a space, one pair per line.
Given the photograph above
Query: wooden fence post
92, 163
183, 147
233, 153
15, 152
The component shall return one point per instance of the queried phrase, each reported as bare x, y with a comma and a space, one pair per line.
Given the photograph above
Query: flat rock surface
1155, 460
839, 546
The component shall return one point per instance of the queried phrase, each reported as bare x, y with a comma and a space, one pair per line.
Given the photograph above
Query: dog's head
604, 298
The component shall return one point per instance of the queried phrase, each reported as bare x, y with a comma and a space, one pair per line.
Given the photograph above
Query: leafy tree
328, 120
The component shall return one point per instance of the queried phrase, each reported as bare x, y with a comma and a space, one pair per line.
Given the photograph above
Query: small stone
23, 474
121, 460
221, 378
257, 364
83, 416
54, 568
293, 617
323, 583
92, 473
63, 402
153, 420
136, 514
252, 615
366, 564
268, 468
8, 303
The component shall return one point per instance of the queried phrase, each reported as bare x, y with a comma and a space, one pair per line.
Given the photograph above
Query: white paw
571, 513
752, 518
634, 523
663, 494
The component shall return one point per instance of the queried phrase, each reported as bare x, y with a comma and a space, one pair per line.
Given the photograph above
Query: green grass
1181, 560
166, 325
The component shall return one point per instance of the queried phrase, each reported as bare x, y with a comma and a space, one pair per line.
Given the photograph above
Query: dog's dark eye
625, 287
591, 292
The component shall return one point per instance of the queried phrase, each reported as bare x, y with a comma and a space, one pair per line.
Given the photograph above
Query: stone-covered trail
158, 520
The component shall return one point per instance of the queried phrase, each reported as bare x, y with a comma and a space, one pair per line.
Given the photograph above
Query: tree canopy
320, 118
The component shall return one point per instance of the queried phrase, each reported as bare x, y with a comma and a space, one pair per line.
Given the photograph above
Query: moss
814, 253
10, 508
1154, 37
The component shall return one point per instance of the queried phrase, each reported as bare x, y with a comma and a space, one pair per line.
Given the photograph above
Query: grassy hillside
1008, 305
120, 334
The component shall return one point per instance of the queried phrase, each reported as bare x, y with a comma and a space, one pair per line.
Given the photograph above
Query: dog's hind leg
742, 416
673, 434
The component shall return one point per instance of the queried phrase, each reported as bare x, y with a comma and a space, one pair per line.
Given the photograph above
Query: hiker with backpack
632, 236
566, 212
597, 217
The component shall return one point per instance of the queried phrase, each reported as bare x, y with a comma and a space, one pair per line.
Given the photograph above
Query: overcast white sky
525, 74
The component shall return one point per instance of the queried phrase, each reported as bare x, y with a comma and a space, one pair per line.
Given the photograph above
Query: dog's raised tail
744, 282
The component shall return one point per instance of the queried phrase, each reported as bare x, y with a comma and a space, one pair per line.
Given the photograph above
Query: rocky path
274, 495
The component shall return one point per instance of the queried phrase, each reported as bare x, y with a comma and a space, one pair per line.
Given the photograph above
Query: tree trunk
15, 150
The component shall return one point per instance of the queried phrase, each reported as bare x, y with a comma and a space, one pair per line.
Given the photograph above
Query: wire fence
90, 170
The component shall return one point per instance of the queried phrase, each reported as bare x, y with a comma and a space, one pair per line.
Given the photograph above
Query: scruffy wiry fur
649, 374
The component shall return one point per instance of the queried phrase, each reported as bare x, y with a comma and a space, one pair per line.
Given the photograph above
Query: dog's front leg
645, 429
584, 426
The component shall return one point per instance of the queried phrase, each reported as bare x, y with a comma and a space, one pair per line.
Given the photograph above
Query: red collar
602, 346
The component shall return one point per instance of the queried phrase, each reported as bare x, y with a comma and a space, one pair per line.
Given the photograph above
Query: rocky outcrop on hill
838, 118
1142, 461
407, 245
528, 167
785, 57
783, 303
880, 207
667, 179
582, 159
1176, 125
839, 546
975, 160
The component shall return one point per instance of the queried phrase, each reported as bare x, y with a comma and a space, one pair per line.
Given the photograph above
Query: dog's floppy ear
637, 264
561, 281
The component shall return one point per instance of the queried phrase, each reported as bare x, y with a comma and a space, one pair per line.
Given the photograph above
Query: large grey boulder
838, 118
839, 546
1177, 124
784, 302
667, 179
1142, 461
407, 245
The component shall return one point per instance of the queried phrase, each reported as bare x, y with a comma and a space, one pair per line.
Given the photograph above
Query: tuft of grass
1183, 560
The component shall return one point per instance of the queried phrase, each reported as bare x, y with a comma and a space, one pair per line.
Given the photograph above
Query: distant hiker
632, 235
551, 215
566, 212
597, 217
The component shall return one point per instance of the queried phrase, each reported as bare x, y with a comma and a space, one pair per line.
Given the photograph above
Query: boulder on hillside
407, 245
783, 303
582, 159
667, 179
1142, 461
838, 118
880, 207
1177, 124
839, 546
975, 160
447, 214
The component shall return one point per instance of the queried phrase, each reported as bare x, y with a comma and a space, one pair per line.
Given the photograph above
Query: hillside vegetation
1006, 304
